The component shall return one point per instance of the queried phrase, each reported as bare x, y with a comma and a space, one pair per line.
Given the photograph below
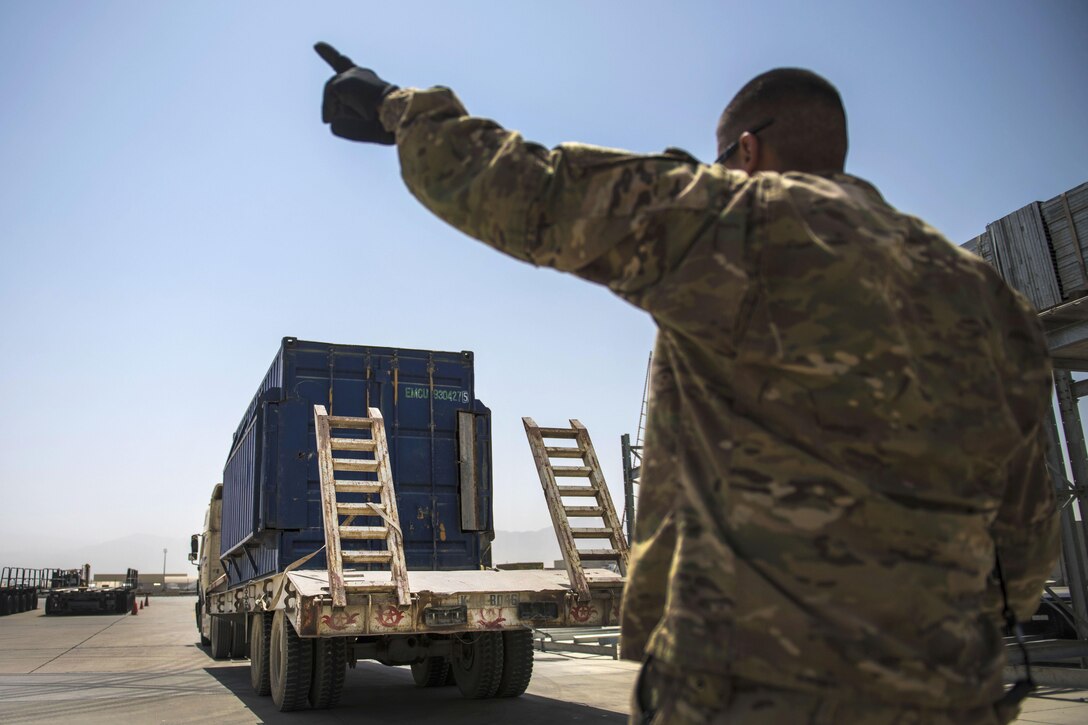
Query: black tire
517, 662
33, 601
221, 636
431, 672
48, 605
260, 634
290, 664
477, 664
20, 603
327, 681
9, 604
239, 647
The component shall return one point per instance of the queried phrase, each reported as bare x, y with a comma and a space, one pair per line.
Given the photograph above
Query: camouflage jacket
846, 409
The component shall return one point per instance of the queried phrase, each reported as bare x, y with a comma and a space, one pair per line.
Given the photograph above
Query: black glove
352, 99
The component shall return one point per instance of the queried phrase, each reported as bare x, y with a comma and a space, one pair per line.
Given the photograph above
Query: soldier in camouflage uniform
846, 410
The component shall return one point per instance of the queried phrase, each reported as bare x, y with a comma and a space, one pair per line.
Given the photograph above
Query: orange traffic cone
147, 602
141, 605
135, 609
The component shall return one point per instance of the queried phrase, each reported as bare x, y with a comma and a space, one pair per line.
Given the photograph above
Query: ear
748, 152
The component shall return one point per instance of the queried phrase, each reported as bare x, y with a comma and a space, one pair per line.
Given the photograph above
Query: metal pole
1074, 440
628, 488
1072, 553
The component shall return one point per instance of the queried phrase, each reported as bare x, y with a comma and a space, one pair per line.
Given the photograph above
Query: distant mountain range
143, 552
511, 547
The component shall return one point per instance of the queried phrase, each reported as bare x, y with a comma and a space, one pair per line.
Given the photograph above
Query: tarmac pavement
149, 669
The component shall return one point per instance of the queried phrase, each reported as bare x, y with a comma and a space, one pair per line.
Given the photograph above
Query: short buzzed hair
808, 132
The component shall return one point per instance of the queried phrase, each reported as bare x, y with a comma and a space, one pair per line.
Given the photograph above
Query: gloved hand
352, 99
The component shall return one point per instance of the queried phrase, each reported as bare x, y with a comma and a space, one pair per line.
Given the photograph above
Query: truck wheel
220, 638
48, 605
9, 604
33, 601
330, 661
290, 660
260, 632
517, 662
239, 648
477, 664
431, 672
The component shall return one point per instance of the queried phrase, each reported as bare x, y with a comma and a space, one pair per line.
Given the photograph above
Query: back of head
808, 123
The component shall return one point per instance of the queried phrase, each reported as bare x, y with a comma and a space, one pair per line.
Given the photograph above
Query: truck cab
205, 555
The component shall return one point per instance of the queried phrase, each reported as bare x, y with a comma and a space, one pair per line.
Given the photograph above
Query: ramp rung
576, 490
358, 486
359, 509
598, 554
571, 471
558, 452
366, 557
355, 464
591, 533
340, 421
368, 586
364, 532
584, 511
352, 444
558, 433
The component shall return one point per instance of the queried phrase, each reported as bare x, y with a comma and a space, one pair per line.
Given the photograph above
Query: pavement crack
75, 646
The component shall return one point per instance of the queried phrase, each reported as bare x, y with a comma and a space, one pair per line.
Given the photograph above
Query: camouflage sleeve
582, 209
1026, 532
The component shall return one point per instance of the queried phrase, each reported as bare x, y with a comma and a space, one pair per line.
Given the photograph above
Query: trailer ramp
361, 471
594, 488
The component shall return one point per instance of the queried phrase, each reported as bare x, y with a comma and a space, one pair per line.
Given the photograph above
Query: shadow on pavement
380, 694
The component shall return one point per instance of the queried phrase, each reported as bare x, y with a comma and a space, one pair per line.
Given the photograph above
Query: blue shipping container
439, 447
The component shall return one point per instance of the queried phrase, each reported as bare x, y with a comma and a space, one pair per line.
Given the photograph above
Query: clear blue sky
171, 206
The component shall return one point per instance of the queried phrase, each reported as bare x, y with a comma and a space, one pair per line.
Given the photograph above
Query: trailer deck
442, 601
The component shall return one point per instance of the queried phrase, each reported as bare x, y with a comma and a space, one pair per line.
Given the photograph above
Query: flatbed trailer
300, 627
86, 599
19, 588
442, 602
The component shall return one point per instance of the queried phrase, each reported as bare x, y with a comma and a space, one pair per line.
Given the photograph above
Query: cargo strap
354, 469
596, 491
283, 578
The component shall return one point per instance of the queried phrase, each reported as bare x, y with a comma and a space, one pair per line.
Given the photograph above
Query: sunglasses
732, 148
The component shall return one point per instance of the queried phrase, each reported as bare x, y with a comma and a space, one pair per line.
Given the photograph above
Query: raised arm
598, 213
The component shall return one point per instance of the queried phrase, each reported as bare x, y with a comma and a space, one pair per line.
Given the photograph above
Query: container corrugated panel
239, 491
1023, 257
272, 505
1066, 217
